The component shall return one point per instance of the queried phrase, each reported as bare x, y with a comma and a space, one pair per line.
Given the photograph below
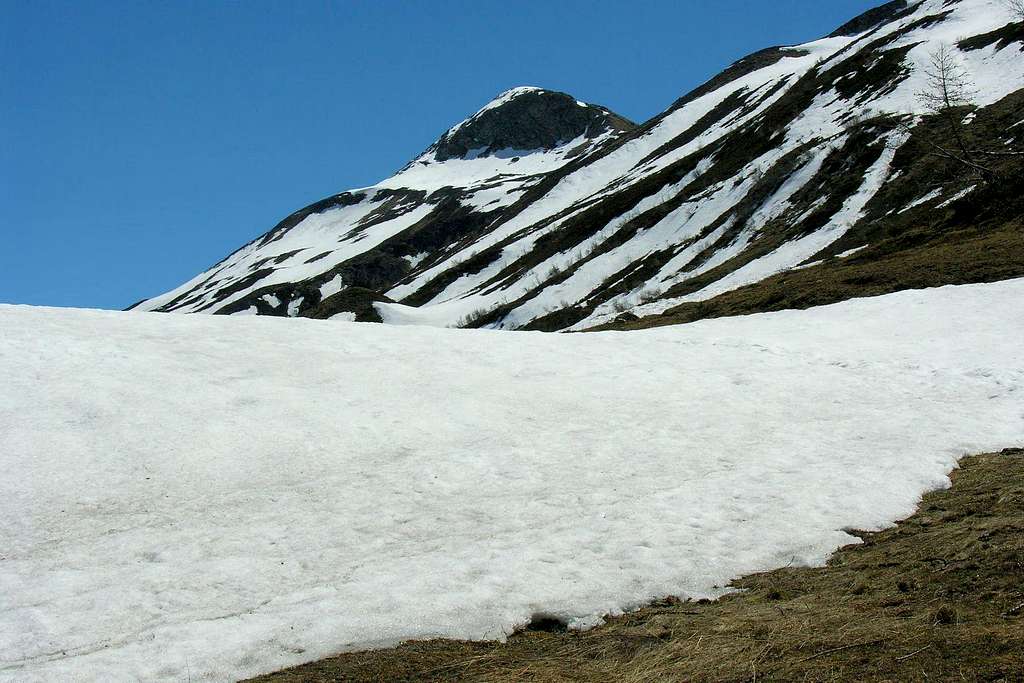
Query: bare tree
947, 83
1017, 7
948, 91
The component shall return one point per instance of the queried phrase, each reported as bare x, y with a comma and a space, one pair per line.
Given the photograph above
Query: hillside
809, 169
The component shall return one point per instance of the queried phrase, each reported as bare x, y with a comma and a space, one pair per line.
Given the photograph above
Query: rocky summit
527, 120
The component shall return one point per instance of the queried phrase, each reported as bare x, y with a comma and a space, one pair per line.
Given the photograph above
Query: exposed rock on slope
527, 119
547, 213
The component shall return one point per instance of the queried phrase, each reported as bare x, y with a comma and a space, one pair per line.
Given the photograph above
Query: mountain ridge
788, 155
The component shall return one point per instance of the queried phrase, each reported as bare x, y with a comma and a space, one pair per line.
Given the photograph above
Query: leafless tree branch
947, 89
984, 171
1017, 7
997, 153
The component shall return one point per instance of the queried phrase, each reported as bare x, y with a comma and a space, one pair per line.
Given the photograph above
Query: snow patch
957, 197
335, 285
934, 194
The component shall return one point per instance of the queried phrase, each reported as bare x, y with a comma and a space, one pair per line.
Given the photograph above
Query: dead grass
940, 597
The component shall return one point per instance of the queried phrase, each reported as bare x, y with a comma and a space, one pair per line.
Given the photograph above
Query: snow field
211, 497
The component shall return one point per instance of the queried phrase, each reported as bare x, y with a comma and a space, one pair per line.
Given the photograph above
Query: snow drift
205, 498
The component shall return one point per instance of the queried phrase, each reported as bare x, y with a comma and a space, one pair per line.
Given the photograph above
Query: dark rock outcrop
870, 19
531, 119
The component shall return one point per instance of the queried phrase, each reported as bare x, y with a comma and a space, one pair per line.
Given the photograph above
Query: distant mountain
800, 175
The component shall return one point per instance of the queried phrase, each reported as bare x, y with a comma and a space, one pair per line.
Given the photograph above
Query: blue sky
140, 142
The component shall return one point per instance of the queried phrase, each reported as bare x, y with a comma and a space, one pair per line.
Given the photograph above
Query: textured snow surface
206, 498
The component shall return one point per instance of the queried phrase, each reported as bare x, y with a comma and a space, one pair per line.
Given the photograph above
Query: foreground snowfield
204, 498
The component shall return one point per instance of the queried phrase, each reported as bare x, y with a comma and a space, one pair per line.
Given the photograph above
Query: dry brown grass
940, 597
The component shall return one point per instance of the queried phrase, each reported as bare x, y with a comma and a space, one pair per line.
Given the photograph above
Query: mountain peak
871, 19
796, 165
526, 118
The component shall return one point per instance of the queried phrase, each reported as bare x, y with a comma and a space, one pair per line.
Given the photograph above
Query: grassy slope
979, 238
914, 261
939, 597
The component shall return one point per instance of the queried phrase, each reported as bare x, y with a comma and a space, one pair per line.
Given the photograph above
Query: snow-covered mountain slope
205, 498
372, 237
541, 212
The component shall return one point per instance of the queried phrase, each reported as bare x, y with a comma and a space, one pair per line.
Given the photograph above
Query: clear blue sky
140, 142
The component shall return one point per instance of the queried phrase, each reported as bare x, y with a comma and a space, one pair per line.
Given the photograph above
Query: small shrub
648, 294
945, 615
620, 306
470, 319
